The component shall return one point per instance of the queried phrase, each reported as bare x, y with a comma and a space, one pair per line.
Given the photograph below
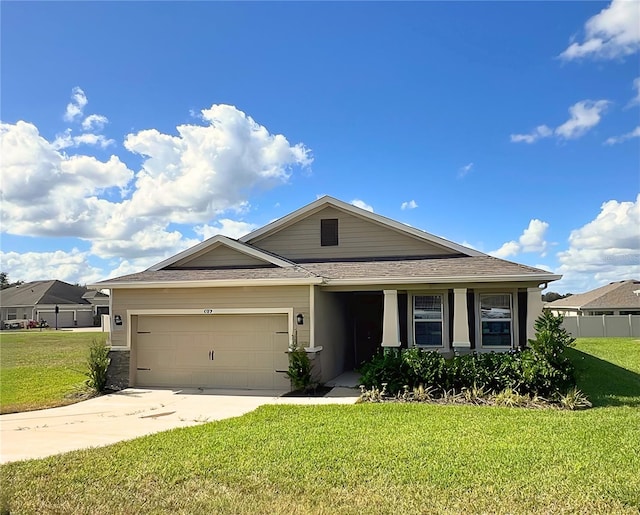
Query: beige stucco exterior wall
124, 300
331, 332
356, 238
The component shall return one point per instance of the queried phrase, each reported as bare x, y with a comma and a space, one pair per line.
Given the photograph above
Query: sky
132, 131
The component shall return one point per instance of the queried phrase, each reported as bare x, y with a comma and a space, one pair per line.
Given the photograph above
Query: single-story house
338, 280
617, 298
38, 300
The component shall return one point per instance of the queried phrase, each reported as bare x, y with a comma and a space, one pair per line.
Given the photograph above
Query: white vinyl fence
602, 326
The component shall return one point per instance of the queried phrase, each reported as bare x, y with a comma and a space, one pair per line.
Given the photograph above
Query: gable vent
328, 232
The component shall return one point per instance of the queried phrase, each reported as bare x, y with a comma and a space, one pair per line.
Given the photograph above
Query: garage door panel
248, 351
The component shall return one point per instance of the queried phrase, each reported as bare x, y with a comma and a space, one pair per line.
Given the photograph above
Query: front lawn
608, 370
367, 458
42, 369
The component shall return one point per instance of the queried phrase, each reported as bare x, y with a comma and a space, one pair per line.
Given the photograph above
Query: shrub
387, 366
541, 370
98, 362
424, 367
299, 371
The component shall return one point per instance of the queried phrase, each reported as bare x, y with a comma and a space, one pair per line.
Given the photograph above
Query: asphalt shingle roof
618, 295
43, 292
434, 267
400, 268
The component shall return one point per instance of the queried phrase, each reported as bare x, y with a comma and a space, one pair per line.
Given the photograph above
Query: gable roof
326, 200
461, 265
618, 295
43, 293
218, 240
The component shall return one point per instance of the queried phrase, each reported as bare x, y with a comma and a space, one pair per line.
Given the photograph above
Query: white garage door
217, 351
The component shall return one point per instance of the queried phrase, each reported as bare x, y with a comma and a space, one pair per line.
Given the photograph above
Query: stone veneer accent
118, 370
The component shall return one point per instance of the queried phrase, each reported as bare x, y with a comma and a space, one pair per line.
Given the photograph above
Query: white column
390, 320
534, 310
460, 319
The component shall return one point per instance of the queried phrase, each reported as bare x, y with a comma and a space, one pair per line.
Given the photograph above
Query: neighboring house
619, 298
37, 301
336, 279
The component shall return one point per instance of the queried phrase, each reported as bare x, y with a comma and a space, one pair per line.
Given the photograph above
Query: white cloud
204, 171
531, 240
612, 33
635, 133
72, 267
541, 131
94, 122
604, 250
77, 104
465, 170
231, 228
411, 204
361, 204
584, 116
131, 266
66, 140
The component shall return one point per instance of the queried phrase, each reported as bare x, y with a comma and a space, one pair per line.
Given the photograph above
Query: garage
213, 351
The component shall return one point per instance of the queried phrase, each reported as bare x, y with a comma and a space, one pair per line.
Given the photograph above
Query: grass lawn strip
373, 458
378, 458
42, 369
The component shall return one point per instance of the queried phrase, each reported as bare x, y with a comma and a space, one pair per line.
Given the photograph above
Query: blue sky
134, 130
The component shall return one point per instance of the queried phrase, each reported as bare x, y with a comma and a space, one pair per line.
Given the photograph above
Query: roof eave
205, 283
444, 279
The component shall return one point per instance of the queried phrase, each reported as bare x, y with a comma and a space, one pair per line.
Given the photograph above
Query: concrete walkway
132, 413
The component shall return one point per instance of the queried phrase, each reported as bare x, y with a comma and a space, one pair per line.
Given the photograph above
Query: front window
495, 314
427, 320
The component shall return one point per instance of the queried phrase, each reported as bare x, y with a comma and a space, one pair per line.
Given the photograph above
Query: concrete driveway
132, 413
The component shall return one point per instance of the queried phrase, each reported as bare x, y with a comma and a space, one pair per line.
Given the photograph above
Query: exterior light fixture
300, 319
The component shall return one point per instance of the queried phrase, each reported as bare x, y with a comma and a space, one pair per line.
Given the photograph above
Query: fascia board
440, 280
205, 284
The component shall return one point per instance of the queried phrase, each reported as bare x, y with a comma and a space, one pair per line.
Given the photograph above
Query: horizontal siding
219, 256
357, 238
295, 297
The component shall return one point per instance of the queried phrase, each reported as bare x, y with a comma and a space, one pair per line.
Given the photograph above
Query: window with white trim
427, 320
496, 319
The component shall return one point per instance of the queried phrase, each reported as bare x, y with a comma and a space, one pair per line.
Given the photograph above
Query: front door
367, 312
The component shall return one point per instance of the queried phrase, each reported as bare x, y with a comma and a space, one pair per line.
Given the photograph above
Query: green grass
369, 458
42, 369
608, 370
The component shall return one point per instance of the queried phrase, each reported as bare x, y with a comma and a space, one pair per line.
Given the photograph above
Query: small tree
551, 338
299, 368
98, 362
550, 367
